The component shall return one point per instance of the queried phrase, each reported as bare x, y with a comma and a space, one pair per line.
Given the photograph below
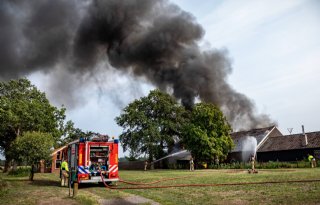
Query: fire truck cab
90, 160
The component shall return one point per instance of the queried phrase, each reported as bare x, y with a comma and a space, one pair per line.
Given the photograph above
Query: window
58, 155
58, 164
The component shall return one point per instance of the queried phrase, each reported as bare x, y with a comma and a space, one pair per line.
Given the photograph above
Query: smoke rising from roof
153, 39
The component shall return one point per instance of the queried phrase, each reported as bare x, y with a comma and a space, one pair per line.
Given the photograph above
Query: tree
24, 108
150, 124
31, 147
207, 134
71, 133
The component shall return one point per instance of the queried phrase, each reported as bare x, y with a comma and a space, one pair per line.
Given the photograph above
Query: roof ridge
255, 129
297, 134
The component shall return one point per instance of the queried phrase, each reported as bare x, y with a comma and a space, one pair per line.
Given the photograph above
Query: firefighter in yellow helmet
64, 173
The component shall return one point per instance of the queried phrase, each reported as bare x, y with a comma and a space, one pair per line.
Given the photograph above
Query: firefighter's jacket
64, 166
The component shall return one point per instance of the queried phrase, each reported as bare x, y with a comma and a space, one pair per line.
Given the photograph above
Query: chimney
305, 136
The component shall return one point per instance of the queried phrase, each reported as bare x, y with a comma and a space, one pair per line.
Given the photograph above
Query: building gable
260, 134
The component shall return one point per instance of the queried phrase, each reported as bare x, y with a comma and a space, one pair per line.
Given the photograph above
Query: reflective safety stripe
83, 170
113, 168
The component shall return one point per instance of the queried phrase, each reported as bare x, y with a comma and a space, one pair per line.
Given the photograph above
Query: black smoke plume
153, 39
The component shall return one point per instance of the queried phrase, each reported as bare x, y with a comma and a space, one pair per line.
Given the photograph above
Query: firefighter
312, 161
191, 164
145, 165
252, 160
64, 173
217, 162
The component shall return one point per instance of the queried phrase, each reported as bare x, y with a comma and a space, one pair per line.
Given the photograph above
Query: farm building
179, 159
290, 147
57, 156
246, 142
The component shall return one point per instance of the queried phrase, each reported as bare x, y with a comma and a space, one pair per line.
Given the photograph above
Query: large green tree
31, 147
24, 108
150, 124
207, 134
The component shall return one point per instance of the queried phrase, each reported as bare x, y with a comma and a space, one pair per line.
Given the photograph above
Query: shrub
20, 172
244, 165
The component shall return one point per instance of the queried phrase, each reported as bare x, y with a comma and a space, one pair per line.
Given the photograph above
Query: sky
275, 50
274, 47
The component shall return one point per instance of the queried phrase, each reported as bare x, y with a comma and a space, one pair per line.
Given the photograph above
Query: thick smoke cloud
148, 38
35, 35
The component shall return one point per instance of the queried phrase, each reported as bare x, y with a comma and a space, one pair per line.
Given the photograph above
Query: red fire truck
90, 158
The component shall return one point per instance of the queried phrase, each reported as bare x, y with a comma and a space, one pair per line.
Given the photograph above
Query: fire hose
200, 185
154, 182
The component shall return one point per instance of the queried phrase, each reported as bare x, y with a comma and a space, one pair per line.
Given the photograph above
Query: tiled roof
289, 142
259, 134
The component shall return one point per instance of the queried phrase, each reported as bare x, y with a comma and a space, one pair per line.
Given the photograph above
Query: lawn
45, 189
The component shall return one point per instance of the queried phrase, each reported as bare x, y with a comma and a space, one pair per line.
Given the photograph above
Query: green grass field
45, 189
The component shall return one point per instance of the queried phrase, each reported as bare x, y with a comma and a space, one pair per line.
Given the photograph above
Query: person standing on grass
145, 165
252, 160
191, 164
217, 162
64, 173
312, 161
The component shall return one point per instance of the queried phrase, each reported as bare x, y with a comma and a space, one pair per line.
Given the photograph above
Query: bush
277, 164
20, 172
262, 165
245, 165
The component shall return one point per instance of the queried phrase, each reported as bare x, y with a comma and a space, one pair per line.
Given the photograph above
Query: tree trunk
7, 154
31, 172
14, 165
151, 160
6, 166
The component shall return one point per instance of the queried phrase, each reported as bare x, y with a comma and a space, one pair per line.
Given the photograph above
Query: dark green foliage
154, 123
150, 125
262, 165
71, 133
24, 108
20, 172
207, 134
32, 147
277, 164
